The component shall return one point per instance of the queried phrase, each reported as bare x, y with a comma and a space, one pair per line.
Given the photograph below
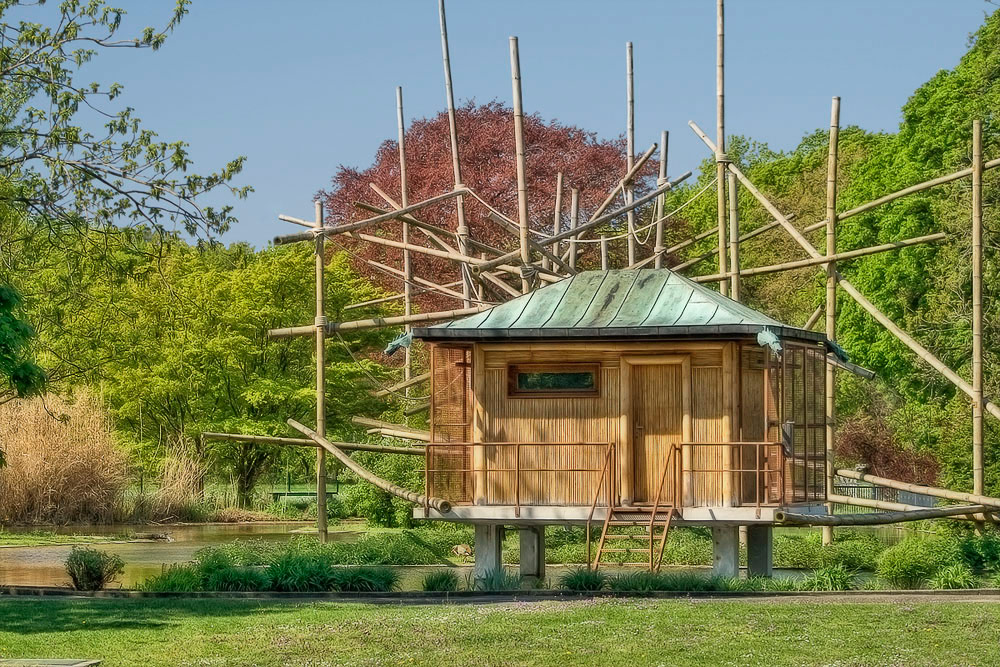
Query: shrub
780, 584
499, 579
798, 551
981, 552
237, 579
830, 578
364, 579
300, 574
855, 551
909, 563
174, 579
954, 576
583, 579
92, 569
441, 581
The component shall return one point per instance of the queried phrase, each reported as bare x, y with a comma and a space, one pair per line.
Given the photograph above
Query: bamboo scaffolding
556, 217
831, 299
374, 302
604, 253
547, 256
319, 331
814, 318
439, 504
433, 287
977, 307
522, 184
305, 442
630, 148
412, 433
417, 409
395, 433
874, 518
407, 382
721, 159
574, 224
816, 261
463, 229
658, 249
375, 322
862, 301
937, 492
869, 503
432, 232
711, 253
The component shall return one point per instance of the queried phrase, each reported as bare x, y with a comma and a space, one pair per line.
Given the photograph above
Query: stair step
626, 551
617, 536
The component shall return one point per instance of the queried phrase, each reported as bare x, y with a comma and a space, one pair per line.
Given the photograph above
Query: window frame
513, 369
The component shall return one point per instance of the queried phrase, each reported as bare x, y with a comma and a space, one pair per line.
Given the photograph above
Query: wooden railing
452, 473
751, 473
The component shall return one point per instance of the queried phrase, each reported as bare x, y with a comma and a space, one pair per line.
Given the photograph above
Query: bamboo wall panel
707, 426
547, 420
752, 418
658, 414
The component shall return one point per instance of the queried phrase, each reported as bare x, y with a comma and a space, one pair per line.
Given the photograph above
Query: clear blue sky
302, 87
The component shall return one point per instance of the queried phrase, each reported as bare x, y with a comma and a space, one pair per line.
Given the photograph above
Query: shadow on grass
41, 615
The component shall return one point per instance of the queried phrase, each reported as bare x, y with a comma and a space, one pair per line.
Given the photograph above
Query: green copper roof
622, 303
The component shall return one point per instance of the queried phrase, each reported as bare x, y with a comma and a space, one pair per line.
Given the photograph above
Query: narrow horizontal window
554, 380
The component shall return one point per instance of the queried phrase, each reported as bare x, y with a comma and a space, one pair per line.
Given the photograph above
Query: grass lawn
605, 632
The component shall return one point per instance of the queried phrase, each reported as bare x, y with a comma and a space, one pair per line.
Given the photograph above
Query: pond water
45, 565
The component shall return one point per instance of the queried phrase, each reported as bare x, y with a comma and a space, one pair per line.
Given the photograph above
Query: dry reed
59, 470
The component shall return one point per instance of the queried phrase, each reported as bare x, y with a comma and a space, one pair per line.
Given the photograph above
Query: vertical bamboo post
522, 187
977, 307
556, 218
630, 147
463, 231
662, 208
574, 220
604, 252
404, 202
734, 238
720, 140
831, 301
320, 375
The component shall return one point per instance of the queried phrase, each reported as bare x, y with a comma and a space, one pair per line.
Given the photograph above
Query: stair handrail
656, 500
597, 493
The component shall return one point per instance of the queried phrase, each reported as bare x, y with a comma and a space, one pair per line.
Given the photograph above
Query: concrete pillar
760, 551
532, 551
725, 551
489, 549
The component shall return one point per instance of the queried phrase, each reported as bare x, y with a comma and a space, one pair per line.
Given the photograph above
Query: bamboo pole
434, 287
721, 159
814, 318
734, 239
411, 433
419, 407
977, 307
556, 216
404, 200
444, 254
630, 147
319, 331
305, 442
373, 302
658, 250
376, 322
937, 492
874, 519
711, 232
522, 183
831, 299
556, 262
604, 253
432, 232
402, 435
869, 503
406, 383
439, 504
574, 223
840, 256
463, 229
361, 224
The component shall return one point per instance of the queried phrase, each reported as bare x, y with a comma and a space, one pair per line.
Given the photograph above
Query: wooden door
660, 394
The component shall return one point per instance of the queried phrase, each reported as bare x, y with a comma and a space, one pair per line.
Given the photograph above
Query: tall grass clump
954, 576
441, 581
174, 579
376, 579
914, 560
583, 579
62, 469
830, 578
92, 569
294, 573
500, 579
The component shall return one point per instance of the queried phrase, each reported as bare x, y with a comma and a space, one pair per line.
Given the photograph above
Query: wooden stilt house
625, 397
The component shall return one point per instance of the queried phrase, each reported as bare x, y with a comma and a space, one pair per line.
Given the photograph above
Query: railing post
517, 479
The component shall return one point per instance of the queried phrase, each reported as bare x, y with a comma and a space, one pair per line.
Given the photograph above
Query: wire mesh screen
451, 393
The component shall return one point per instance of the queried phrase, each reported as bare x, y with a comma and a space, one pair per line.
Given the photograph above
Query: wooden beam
305, 442
376, 322
439, 504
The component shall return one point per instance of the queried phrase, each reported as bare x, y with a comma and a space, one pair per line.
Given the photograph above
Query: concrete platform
551, 514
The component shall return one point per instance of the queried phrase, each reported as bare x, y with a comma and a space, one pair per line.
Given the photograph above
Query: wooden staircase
618, 535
